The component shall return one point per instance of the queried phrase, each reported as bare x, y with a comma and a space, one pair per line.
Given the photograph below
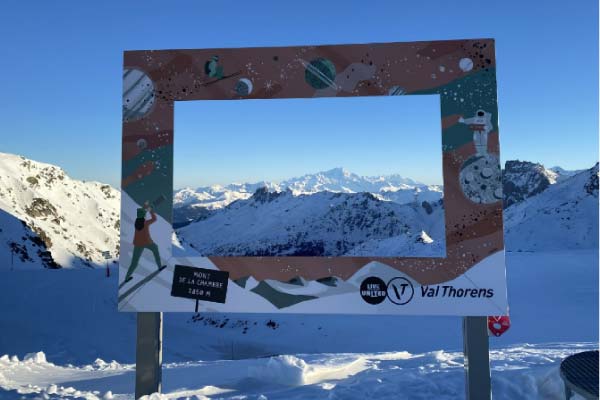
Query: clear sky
277, 139
62, 65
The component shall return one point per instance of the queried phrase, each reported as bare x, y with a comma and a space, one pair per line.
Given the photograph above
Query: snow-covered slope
75, 220
517, 372
564, 216
51, 220
394, 188
318, 224
562, 174
425, 356
20, 247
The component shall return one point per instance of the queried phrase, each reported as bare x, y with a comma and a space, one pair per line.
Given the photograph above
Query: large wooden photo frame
469, 280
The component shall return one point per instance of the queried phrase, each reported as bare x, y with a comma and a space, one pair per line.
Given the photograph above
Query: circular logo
373, 290
400, 291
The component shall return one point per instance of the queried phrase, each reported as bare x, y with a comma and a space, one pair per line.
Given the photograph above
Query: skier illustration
142, 240
481, 125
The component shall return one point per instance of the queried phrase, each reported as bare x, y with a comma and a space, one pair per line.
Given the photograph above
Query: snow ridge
564, 216
319, 224
338, 180
74, 220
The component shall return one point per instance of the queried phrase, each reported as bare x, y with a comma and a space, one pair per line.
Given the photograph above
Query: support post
476, 346
148, 355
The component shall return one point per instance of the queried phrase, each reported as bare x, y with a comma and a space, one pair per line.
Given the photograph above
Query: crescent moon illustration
243, 87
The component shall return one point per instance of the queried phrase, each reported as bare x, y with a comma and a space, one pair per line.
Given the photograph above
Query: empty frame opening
358, 176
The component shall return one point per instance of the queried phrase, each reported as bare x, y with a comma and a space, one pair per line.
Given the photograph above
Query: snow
59, 326
285, 224
393, 356
76, 220
518, 372
36, 358
338, 180
562, 174
563, 216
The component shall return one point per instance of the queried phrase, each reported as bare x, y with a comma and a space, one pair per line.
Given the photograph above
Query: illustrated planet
320, 73
465, 64
481, 179
142, 144
138, 94
243, 87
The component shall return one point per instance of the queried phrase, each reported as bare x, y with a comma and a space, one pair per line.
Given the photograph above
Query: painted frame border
461, 72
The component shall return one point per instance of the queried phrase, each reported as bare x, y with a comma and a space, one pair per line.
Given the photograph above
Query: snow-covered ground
554, 312
526, 371
71, 314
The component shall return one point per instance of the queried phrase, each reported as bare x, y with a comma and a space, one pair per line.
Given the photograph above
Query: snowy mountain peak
191, 204
75, 220
563, 173
325, 223
337, 171
565, 215
523, 179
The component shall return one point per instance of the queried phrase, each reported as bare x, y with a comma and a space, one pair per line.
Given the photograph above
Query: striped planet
396, 91
138, 94
320, 73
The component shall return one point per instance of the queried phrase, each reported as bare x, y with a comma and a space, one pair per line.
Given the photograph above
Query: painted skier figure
142, 240
481, 125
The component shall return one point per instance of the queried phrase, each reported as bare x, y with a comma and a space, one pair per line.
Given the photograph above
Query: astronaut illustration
481, 125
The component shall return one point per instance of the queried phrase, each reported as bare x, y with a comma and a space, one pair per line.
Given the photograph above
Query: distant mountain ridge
50, 220
191, 204
318, 224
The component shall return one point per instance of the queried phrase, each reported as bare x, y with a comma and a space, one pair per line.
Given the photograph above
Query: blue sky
274, 140
62, 62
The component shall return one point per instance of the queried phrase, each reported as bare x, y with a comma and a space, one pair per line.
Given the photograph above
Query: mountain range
49, 220
191, 204
319, 224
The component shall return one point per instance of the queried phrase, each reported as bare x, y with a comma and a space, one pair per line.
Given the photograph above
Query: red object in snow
498, 325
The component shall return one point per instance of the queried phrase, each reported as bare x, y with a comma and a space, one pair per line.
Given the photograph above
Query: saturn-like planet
320, 73
138, 94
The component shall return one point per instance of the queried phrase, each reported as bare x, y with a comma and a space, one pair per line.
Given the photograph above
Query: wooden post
476, 346
148, 355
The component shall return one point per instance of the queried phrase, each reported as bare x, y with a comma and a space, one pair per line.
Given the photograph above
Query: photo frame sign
469, 280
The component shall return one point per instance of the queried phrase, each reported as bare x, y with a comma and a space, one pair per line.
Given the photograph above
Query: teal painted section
157, 188
465, 96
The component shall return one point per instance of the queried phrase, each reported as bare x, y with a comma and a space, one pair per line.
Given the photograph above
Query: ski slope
554, 312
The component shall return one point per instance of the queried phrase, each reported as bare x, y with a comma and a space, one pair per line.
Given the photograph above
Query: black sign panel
200, 283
